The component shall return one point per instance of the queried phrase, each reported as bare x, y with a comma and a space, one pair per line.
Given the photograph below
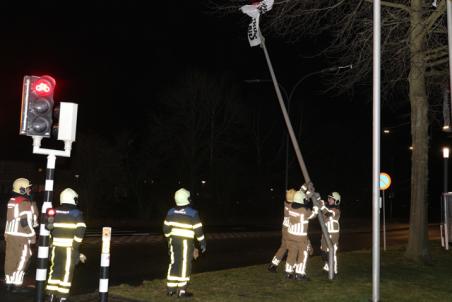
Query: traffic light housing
37, 106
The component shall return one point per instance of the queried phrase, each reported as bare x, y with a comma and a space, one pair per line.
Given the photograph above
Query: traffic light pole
44, 234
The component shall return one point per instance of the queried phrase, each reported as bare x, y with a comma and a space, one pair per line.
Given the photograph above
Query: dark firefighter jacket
68, 227
184, 222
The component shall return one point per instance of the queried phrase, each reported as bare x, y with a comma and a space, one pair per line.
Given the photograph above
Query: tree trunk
417, 248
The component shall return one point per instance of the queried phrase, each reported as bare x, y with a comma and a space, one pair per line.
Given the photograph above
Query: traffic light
37, 106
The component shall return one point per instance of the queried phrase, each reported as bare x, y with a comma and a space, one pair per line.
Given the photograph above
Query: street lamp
289, 97
445, 157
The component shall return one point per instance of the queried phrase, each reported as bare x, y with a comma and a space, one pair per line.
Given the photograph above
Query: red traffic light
51, 212
43, 87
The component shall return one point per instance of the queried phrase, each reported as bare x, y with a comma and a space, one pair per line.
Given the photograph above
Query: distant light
39, 169
271, 189
446, 127
76, 176
386, 131
411, 148
445, 152
203, 182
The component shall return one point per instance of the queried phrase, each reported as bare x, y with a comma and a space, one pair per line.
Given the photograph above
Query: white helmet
182, 197
337, 197
21, 185
299, 197
68, 196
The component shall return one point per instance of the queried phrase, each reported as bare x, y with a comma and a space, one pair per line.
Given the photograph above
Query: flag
254, 11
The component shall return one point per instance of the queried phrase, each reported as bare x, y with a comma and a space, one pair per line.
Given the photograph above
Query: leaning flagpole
256, 38
376, 151
315, 197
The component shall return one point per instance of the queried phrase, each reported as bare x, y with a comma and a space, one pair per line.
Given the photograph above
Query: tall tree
198, 130
414, 59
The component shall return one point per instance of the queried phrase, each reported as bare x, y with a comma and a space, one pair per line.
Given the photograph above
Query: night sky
118, 59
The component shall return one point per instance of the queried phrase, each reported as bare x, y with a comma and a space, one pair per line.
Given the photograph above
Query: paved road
144, 257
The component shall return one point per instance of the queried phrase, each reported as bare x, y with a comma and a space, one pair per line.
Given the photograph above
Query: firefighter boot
51, 298
288, 275
272, 268
170, 291
182, 293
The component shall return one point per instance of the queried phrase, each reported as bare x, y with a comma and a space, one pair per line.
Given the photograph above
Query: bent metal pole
301, 162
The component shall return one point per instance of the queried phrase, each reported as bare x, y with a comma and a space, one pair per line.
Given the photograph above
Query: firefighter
331, 214
283, 248
297, 237
181, 226
19, 234
67, 229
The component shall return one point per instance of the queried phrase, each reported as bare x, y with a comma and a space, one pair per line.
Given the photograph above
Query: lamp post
288, 98
445, 206
446, 158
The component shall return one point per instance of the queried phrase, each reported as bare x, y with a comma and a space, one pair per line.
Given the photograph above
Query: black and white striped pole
43, 245
104, 264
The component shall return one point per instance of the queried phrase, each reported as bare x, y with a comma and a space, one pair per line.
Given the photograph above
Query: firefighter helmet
289, 195
336, 196
21, 185
299, 197
68, 196
182, 197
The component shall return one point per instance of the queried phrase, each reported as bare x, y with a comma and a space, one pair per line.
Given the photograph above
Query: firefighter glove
82, 258
195, 253
203, 248
76, 256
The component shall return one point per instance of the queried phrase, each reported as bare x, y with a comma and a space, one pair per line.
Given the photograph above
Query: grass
401, 280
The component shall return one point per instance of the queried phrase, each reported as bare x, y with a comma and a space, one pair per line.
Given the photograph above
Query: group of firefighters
66, 227
182, 227
295, 242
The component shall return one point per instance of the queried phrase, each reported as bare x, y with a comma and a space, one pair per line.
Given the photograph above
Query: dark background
130, 66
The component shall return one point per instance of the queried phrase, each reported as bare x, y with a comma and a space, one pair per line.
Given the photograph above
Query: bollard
104, 264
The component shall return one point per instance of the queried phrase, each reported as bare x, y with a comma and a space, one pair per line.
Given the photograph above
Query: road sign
385, 181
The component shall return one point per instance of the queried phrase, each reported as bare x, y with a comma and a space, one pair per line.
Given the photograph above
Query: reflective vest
19, 218
68, 226
299, 221
331, 217
183, 222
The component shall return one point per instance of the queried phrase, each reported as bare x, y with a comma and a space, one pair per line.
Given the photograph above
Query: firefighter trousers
17, 256
324, 248
282, 249
297, 257
181, 256
62, 263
